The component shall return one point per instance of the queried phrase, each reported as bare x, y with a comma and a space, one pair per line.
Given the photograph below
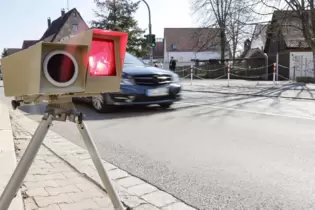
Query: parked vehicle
140, 85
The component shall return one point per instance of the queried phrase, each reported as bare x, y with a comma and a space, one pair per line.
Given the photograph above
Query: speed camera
87, 64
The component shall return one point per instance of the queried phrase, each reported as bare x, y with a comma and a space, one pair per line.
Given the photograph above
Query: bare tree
231, 17
214, 13
238, 29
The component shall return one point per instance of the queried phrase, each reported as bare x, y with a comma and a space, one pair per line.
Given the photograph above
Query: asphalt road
212, 150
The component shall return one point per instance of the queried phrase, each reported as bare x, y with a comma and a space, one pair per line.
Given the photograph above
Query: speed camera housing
110, 45
87, 64
46, 69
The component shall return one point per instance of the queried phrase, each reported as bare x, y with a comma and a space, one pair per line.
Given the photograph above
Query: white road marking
249, 111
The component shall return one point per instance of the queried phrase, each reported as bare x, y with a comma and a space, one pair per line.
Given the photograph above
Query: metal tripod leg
90, 145
25, 163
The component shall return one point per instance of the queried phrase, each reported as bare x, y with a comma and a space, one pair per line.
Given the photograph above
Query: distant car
140, 85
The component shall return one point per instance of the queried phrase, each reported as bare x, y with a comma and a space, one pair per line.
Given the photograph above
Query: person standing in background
172, 65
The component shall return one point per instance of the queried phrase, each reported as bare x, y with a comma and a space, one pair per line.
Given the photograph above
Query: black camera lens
61, 68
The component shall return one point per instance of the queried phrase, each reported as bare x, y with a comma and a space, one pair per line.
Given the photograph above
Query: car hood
141, 70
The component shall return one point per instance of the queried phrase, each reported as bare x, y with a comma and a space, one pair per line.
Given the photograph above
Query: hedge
305, 79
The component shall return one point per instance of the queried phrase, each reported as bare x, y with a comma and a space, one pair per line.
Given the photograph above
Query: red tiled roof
158, 51
191, 39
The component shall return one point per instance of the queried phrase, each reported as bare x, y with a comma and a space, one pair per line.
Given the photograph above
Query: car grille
152, 79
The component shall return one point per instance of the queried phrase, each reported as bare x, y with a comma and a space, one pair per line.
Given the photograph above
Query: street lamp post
150, 31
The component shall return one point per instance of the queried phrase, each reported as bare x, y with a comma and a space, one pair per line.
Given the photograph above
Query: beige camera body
86, 64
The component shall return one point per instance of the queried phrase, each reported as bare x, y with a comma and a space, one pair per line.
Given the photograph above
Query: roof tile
56, 25
188, 39
290, 26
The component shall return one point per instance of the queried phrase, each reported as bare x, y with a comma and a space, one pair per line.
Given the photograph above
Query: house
285, 42
158, 50
253, 56
11, 51
185, 44
67, 24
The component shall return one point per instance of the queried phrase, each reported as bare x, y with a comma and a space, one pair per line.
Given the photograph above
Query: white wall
183, 58
303, 64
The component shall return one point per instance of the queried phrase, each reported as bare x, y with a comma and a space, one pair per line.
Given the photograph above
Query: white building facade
184, 45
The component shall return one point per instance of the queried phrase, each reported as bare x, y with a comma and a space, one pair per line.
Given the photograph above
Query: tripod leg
90, 145
25, 163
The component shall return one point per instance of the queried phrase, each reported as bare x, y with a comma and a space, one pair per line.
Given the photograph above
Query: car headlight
175, 78
126, 80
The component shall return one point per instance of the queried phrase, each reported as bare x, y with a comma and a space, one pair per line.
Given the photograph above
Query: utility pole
68, 5
150, 31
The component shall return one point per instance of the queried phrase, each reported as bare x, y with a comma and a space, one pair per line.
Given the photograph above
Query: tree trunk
222, 43
234, 51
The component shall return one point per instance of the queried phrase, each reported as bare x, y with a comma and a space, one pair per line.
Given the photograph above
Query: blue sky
27, 19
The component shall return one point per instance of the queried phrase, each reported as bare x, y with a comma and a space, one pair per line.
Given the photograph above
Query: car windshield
133, 60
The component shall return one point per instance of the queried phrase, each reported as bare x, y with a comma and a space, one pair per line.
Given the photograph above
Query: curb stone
133, 192
247, 94
8, 158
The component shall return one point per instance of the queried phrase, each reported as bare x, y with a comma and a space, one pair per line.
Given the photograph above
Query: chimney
247, 44
49, 22
63, 12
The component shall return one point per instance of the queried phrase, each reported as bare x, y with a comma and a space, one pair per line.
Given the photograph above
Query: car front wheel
100, 105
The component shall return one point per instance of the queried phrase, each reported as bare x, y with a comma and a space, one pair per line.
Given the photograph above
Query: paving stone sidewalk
63, 177
285, 89
52, 184
7, 155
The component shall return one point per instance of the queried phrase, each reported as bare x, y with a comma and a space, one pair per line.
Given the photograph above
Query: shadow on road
277, 92
226, 100
240, 101
91, 114
123, 112
300, 88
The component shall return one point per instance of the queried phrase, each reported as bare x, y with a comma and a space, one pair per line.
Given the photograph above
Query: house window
74, 14
174, 46
75, 28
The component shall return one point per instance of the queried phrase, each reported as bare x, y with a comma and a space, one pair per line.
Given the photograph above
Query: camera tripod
56, 111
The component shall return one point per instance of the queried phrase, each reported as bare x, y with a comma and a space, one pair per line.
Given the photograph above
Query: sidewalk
283, 89
63, 177
7, 155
